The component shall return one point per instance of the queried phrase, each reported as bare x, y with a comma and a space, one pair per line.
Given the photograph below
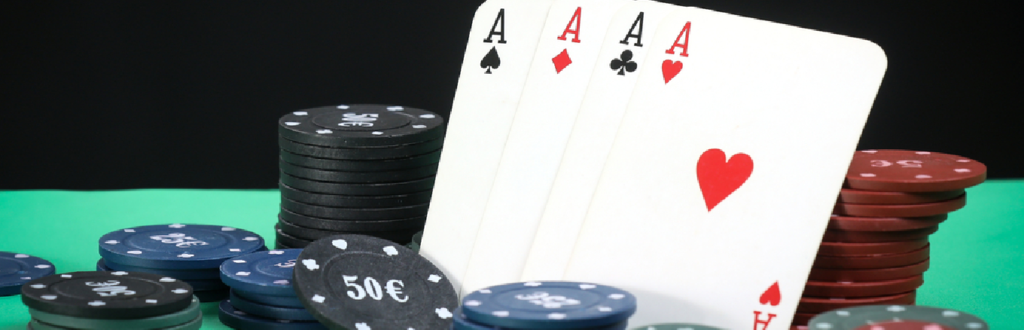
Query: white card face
620, 62
502, 41
556, 84
725, 169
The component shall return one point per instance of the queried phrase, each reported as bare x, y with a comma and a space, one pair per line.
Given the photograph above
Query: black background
155, 94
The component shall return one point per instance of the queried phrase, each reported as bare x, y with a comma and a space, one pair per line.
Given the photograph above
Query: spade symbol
490, 61
624, 63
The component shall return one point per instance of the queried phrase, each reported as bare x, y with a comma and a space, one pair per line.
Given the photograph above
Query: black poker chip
290, 241
354, 201
386, 285
311, 234
361, 125
358, 189
107, 295
362, 165
402, 212
366, 153
351, 225
358, 177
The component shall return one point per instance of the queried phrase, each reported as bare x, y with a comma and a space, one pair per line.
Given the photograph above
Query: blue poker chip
460, 322
549, 305
280, 301
269, 311
237, 319
177, 246
181, 274
17, 269
266, 273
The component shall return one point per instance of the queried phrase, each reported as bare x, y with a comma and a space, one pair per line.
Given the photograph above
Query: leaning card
726, 166
565, 57
620, 60
501, 44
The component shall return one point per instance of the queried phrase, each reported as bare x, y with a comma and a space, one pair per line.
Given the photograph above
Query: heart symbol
719, 178
772, 295
669, 69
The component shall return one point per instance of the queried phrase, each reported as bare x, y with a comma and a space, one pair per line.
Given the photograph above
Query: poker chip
856, 196
338, 213
860, 249
290, 241
877, 236
358, 189
264, 273
912, 171
193, 324
182, 274
236, 319
177, 246
280, 301
354, 201
904, 210
18, 268
676, 326
892, 317
430, 158
270, 311
549, 305
362, 125
820, 305
873, 261
351, 225
386, 153
363, 282
865, 275
358, 177
862, 289
460, 322
178, 318
107, 295
315, 234
850, 223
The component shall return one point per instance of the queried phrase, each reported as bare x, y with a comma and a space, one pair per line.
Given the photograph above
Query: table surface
977, 258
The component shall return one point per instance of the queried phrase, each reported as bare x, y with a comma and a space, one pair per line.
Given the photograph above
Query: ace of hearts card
727, 162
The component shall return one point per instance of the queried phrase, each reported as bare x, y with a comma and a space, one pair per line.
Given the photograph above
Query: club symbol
624, 63
490, 61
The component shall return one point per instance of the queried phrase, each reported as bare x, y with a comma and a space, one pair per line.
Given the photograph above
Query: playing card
501, 43
622, 55
557, 81
727, 163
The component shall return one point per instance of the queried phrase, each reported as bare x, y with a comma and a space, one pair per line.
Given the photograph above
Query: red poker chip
862, 289
867, 275
821, 305
912, 171
860, 249
905, 210
905, 325
850, 223
873, 261
877, 236
855, 196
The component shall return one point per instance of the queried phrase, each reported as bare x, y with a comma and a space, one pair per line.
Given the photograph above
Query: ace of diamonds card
725, 169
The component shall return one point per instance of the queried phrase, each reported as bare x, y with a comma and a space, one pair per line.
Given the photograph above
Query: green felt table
977, 256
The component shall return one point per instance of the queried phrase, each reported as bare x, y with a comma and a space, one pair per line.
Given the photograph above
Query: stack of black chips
356, 169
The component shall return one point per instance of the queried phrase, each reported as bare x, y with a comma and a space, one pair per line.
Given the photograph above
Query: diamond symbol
561, 61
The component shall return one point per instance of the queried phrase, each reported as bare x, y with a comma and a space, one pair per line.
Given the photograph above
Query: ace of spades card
722, 177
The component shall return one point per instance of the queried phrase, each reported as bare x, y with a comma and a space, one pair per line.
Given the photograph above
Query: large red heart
669, 69
771, 296
719, 178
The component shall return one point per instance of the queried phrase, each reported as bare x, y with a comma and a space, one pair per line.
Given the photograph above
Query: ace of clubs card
726, 166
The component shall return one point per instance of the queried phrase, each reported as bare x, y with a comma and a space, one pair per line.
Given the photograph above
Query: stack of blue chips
262, 296
546, 305
190, 253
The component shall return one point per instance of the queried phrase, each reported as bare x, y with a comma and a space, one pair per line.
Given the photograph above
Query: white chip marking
134, 252
962, 170
419, 126
168, 280
48, 297
395, 108
38, 286
276, 252
251, 239
485, 291
377, 133
473, 303
310, 264
65, 275
239, 261
922, 176
343, 107
443, 313
176, 225
893, 308
151, 301
362, 326
500, 313
428, 116
243, 273
97, 303
43, 266
868, 175
963, 160
318, 298
950, 314
587, 286
556, 316
533, 284
923, 153
616, 296
119, 273
324, 131
975, 325
870, 151
20, 256
111, 242
291, 123
341, 244
300, 113
604, 309
390, 250
129, 230
434, 278
282, 282
179, 291
186, 255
